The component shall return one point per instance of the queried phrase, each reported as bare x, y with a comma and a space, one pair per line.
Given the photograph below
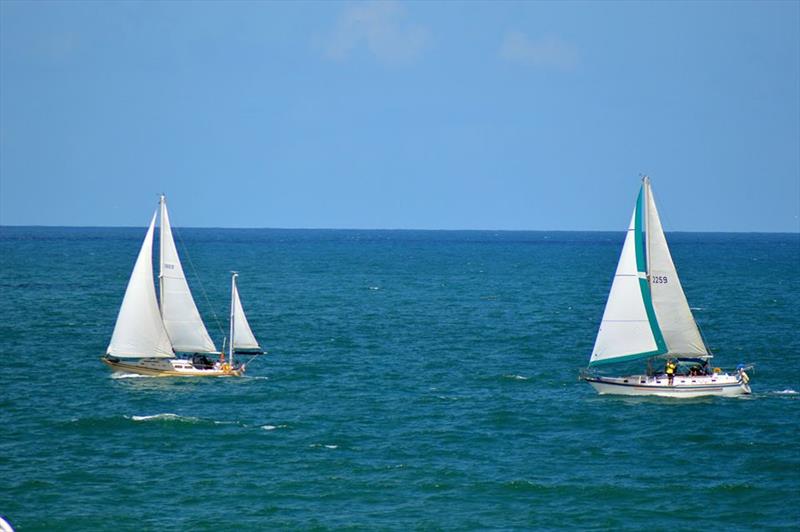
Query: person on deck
670, 370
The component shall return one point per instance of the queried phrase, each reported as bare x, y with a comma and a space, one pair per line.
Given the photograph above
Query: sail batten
139, 331
181, 317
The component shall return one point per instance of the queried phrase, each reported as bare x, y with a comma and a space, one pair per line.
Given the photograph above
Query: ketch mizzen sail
243, 338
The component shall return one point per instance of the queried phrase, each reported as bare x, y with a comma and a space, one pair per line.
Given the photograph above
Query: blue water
414, 379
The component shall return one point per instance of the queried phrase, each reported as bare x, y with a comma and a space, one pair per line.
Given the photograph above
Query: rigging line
199, 282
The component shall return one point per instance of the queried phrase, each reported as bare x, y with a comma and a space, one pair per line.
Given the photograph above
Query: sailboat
151, 331
648, 318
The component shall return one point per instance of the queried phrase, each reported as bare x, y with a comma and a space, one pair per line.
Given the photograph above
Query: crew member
670, 370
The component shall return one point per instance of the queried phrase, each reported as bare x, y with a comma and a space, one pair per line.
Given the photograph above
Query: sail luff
646, 217
139, 331
181, 317
162, 210
233, 319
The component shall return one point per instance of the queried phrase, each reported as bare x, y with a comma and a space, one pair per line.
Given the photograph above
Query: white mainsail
178, 310
243, 338
139, 331
669, 302
626, 331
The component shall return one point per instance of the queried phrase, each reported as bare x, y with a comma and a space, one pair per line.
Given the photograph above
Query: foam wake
167, 417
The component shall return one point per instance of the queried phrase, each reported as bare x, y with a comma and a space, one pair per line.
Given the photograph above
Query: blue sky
437, 115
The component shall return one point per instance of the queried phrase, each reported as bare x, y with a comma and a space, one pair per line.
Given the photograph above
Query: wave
181, 419
787, 391
516, 377
326, 445
167, 416
116, 375
273, 427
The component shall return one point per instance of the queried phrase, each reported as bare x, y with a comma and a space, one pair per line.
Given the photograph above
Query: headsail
674, 316
181, 318
139, 331
243, 339
629, 329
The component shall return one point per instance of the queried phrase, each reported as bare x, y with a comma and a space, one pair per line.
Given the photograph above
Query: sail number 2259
658, 279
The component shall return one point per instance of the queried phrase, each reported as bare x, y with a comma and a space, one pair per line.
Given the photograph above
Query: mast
233, 307
646, 216
161, 199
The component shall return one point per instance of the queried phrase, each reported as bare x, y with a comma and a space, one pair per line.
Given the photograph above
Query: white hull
167, 367
682, 386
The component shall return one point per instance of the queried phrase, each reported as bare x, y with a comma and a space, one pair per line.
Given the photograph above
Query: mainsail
646, 314
672, 310
139, 331
181, 318
243, 339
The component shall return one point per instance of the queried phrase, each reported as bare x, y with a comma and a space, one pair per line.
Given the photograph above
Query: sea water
419, 379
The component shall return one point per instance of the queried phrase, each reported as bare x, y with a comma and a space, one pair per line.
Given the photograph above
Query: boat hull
683, 387
166, 368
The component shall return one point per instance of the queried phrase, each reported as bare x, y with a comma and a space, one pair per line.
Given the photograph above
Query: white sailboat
151, 331
648, 318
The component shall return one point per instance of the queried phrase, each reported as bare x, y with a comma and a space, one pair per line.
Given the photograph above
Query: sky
400, 115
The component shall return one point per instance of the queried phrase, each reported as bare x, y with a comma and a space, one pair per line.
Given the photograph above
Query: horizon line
392, 229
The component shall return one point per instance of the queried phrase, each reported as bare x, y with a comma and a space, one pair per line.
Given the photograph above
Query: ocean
415, 379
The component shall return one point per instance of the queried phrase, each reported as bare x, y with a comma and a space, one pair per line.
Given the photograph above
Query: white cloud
547, 51
380, 27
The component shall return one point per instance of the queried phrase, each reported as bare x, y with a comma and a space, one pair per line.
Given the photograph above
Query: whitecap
219, 422
516, 377
116, 375
167, 416
155, 416
787, 391
273, 427
374, 287
326, 445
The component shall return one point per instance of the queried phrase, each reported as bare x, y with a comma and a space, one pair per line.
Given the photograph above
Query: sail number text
658, 279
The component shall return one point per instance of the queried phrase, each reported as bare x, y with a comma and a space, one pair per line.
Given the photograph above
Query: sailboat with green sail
647, 318
164, 335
